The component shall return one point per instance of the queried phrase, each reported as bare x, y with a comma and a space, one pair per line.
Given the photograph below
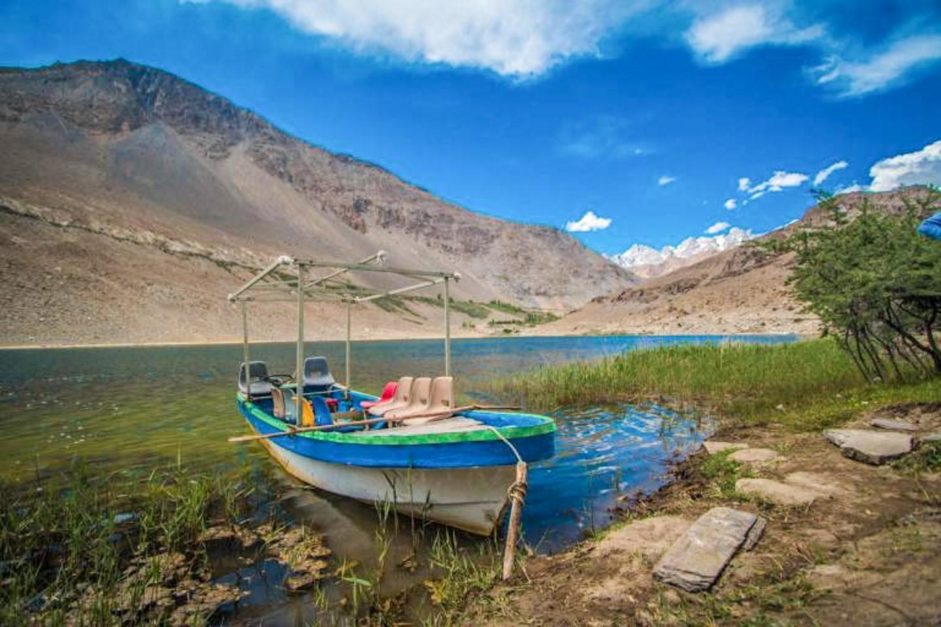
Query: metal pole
299, 375
447, 329
349, 316
245, 356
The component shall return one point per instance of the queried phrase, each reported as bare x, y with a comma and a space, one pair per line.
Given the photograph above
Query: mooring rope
517, 490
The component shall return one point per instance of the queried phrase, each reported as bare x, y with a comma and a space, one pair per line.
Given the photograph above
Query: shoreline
195, 343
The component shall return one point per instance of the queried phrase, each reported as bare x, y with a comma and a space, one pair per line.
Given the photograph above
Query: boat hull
471, 499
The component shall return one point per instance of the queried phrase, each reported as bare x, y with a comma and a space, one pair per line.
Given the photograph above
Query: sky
623, 122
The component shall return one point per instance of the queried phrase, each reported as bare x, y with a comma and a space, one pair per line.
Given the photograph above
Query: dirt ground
867, 552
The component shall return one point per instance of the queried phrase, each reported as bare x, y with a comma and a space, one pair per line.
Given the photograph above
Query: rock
713, 447
822, 484
754, 534
871, 447
777, 492
754, 456
931, 437
892, 424
699, 556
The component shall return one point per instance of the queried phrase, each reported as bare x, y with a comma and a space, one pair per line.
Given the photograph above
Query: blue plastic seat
323, 418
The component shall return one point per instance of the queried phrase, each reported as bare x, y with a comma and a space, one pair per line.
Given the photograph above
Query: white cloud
517, 38
665, 180
718, 227
823, 174
776, 183
588, 222
719, 37
602, 137
849, 189
730, 204
919, 167
879, 70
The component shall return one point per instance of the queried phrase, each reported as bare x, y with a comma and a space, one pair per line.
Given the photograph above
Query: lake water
131, 409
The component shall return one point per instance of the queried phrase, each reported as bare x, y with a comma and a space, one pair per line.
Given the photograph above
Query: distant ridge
116, 147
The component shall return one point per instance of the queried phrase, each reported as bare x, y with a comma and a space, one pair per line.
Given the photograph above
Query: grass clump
806, 385
926, 458
66, 549
722, 473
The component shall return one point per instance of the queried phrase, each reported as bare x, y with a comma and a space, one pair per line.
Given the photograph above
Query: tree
875, 283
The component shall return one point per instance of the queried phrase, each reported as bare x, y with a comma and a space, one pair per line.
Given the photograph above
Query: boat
413, 448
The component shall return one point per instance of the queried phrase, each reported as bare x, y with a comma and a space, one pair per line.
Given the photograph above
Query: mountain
647, 262
132, 201
740, 290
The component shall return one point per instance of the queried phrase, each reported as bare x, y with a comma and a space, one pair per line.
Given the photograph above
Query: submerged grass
810, 384
64, 546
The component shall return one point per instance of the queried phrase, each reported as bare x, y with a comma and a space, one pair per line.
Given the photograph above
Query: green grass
67, 544
811, 384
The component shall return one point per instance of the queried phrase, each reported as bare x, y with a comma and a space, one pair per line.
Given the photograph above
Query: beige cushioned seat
399, 401
418, 403
440, 403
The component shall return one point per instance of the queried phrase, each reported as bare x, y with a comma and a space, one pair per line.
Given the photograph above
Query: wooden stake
357, 423
517, 495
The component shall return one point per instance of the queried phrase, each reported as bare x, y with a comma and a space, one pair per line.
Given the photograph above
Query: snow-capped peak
643, 255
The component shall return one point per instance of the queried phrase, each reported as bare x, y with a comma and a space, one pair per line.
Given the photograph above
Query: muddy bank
862, 547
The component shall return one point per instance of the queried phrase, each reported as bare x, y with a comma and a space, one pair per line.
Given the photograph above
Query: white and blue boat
416, 450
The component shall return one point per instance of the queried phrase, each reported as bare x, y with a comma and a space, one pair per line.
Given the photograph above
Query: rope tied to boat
517, 496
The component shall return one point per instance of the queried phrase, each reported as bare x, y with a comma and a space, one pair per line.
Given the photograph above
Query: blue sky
647, 114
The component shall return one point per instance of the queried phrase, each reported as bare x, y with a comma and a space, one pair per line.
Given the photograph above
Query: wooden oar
371, 421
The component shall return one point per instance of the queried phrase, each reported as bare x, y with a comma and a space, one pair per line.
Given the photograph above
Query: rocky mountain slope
741, 290
646, 262
131, 202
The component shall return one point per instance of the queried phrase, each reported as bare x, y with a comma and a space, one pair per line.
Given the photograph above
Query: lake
131, 409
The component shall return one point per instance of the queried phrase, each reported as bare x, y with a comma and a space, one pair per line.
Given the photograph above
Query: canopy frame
289, 280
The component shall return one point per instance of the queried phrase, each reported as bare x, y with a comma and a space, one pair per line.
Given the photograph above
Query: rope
517, 490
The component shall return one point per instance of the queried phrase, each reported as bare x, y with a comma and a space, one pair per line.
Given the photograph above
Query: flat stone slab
713, 446
699, 556
777, 492
754, 456
931, 437
892, 424
871, 447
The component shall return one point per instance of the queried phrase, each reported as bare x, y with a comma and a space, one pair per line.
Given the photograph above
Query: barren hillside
132, 201
742, 290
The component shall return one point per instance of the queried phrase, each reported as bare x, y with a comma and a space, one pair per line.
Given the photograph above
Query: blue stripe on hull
450, 455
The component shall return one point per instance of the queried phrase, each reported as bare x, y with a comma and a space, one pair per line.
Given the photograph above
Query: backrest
421, 389
388, 391
277, 399
322, 415
442, 392
403, 391
317, 371
256, 370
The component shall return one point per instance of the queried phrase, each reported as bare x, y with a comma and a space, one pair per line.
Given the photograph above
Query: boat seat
402, 394
440, 402
277, 402
323, 417
418, 403
388, 392
317, 376
252, 379
290, 410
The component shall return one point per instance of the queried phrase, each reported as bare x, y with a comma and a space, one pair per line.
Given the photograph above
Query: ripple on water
601, 454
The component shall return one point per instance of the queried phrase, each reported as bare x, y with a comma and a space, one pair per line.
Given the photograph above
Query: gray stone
893, 425
699, 556
713, 447
871, 447
931, 437
777, 492
754, 456
754, 534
